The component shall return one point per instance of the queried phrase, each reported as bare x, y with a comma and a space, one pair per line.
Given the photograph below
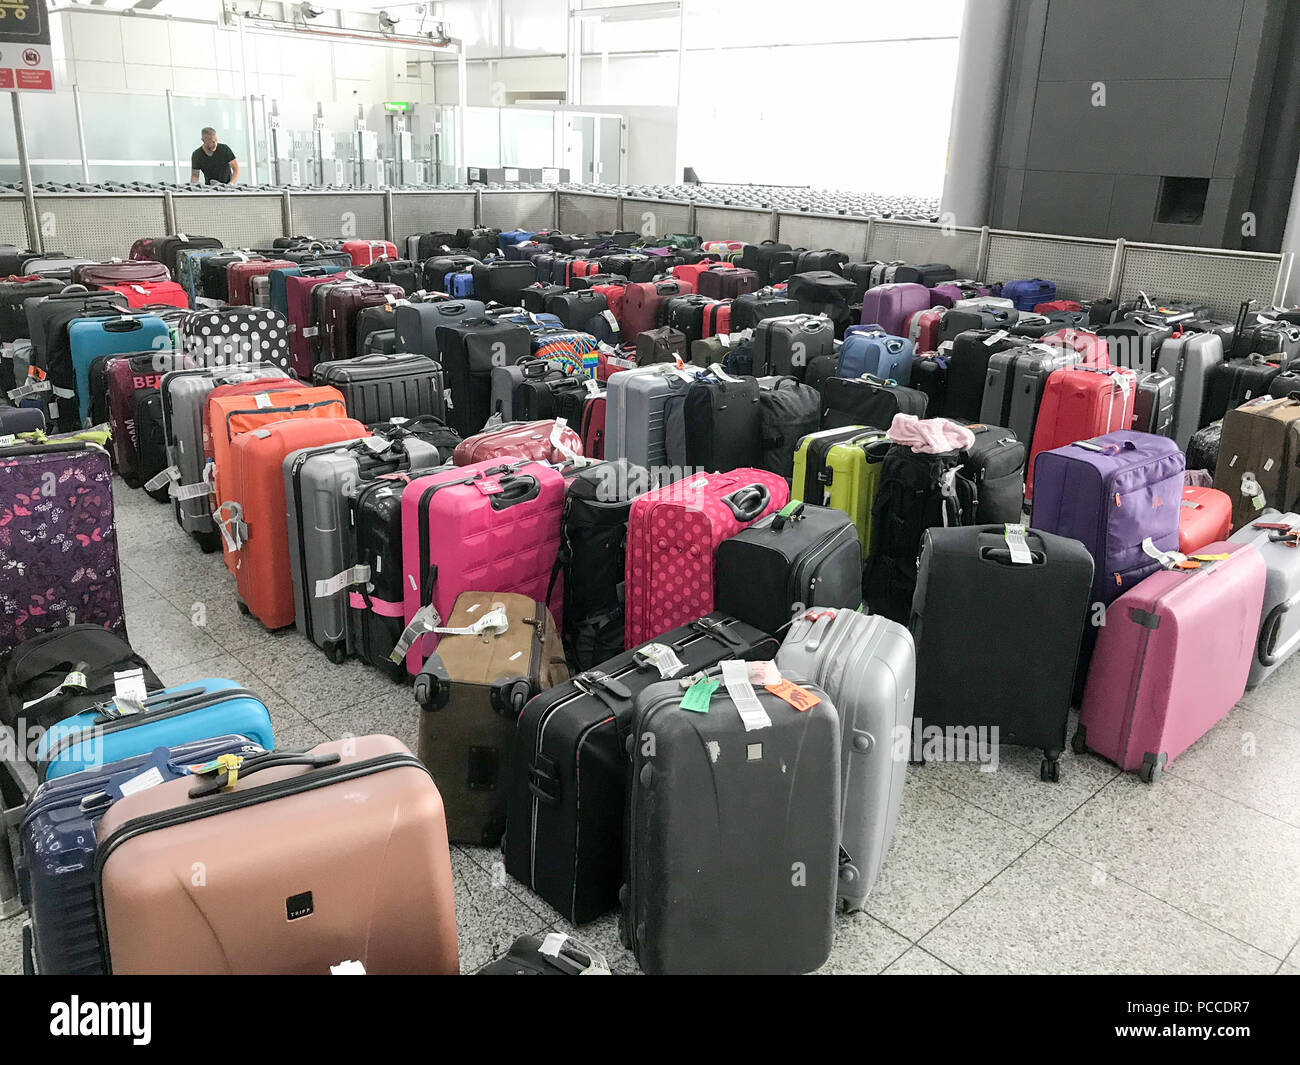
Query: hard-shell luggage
1153, 408
1078, 404
803, 555
539, 441
1279, 628
681, 910
89, 338
1030, 587
214, 278
752, 307
1259, 457
867, 401
1237, 381
565, 814
491, 522
472, 690
365, 252
1173, 659
1017, 377
673, 536
1026, 295
868, 666
1203, 448
312, 858
240, 275
342, 305
127, 376
1191, 358
105, 733
785, 346
377, 388
870, 350
303, 332
968, 369
1205, 517
166, 249
418, 323
58, 539
840, 468
1135, 342
889, 306
635, 413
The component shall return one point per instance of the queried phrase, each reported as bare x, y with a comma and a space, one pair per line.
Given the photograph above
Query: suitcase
752, 307
566, 800
640, 309
15, 420
303, 332
1153, 410
840, 468
574, 308
1172, 660
930, 376
685, 314
506, 381
1093, 350
57, 835
784, 347
664, 345
377, 883
1013, 391
150, 445
994, 465
1205, 517
471, 348
49, 319
232, 335
253, 509
788, 412
557, 954
868, 667
726, 284
592, 425
166, 250
681, 910
89, 338
342, 305
214, 274
1259, 452
436, 269
690, 272
968, 369
502, 282
1285, 384
771, 260
539, 441
403, 273
890, 305
239, 279
103, 734
492, 520
867, 401
261, 289
1030, 587
1026, 295
378, 388
802, 556
533, 298
58, 539
321, 485
1135, 342
1078, 404
1203, 448
140, 294
870, 350
472, 690
958, 320
673, 536
923, 330
1279, 630
365, 252
636, 410
1237, 381
1191, 358
719, 419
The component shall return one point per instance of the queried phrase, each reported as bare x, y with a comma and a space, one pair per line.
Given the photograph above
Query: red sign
6, 78
35, 79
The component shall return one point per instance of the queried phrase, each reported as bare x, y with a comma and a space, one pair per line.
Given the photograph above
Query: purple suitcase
58, 541
1112, 492
1172, 659
890, 305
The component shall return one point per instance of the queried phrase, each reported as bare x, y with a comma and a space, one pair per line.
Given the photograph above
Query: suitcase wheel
1153, 765
243, 607
1080, 741
1050, 770
209, 542
336, 652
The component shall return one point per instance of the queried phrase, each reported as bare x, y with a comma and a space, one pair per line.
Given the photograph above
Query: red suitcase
1078, 404
1092, 349
365, 252
673, 533
583, 268
691, 271
593, 427
641, 304
151, 293
1052, 306
613, 298
923, 330
1206, 516
298, 294
717, 318
239, 278
607, 364
342, 306
128, 375
538, 441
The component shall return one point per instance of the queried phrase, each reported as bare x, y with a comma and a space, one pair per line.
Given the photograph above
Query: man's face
210, 142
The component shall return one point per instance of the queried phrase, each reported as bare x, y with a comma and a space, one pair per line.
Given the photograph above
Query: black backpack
917, 491
788, 411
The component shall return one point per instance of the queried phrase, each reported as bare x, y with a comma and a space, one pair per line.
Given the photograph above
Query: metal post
691, 223
618, 213
871, 235
248, 106
34, 239
81, 134
1284, 268
1116, 271
462, 95
774, 230
982, 253
169, 212
555, 208
286, 212
389, 227
478, 206
171, 128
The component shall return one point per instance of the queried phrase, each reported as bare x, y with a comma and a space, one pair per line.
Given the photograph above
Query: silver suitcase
320, 484
413, 248
1191, 358
1279, 630
1013, 388
636, 415
867, 665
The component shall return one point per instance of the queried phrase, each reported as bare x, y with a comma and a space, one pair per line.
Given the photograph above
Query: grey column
1291, 242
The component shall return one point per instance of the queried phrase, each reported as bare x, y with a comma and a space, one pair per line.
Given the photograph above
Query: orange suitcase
1204, 518
253, 518
311, 859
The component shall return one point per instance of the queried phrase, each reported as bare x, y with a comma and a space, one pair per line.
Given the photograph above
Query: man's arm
234, 170
194, 177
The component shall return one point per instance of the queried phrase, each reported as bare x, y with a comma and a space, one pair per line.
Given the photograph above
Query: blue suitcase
868, 349
189, 270
513, 236
605, 328
174, 715
1028, 294
88, 338
56, 866
459, 285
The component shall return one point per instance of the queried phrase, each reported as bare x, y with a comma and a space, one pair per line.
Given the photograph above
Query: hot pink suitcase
491, 526
672, 535
1172, 659
890, 305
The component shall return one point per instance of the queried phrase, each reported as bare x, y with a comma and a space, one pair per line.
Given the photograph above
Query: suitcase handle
1002, 556
790, 512
218, 778
1266, 652
515, 490
749, 502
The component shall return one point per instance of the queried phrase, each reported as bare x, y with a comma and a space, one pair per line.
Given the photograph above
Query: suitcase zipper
812, 558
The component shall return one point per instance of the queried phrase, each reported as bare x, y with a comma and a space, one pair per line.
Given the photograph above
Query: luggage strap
234, 531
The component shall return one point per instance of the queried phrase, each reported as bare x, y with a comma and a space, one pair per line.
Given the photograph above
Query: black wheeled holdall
574, 308
565, 813
995, 465
533, 298
788, 411
802, 556
469, 350
377, 388
401, 272
867, 400
554, 954
751, 308
968, 367
721, 424
435, 270
733, 860
1032, 589
1234, 382
686, 314
771, 260
150, 440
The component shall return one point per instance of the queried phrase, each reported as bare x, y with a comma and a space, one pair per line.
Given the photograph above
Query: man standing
214, 161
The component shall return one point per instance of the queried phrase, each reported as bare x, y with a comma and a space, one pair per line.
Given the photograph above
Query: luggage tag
662, 657
564, 948
698, 695
422, 622
348, 968
493, 623
329, 586
489, 486
1001, 334
800, 698
1015, 538
74, 679
735, 675
170, 476
129, 691
1167, 559
1251, 490
158, 771
557, 442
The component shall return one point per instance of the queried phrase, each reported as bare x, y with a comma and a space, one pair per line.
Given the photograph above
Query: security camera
310, 10
387, 21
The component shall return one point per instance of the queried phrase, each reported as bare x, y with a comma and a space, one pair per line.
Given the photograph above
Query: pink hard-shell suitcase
673, 533
1172, 659
890, 305
491, 526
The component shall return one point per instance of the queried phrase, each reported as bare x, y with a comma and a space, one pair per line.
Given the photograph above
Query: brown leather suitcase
312, 858
472, 689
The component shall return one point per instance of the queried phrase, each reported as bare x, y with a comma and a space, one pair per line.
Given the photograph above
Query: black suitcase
150, 441
784, 347
685, 313
820, 370
48, 318
1285, 384
788, 411
721, 425
927, 274
823, 259
166, 249
1042, 603
502, 281
698, 827
13, 318
214, 282
1271, 338
1233, 382
930, 375
381, 342
771, 260
565, 806
1133, 342
377, 388
481, 241
867, 401
814, 289
968, 367
958, 320
636, 268
533, 298
577, 284
401, 272
750, 309
12, 258
573, 309
802, 556
1203, 447
435, 270
468, 349
995, 465
538, 399
376, 625
556, 954
373, 319
817, 475
427, 245
1153, 406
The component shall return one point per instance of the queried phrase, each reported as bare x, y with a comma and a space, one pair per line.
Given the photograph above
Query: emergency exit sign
397, 107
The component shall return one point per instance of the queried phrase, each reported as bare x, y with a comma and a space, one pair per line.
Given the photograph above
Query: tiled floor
990, 872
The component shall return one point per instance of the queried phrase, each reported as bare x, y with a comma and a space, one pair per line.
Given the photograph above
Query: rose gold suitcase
313, 858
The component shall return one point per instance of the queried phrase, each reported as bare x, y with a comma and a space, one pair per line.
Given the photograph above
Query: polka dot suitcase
227, 336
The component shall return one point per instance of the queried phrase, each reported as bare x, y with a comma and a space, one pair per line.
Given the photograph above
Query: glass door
609, 150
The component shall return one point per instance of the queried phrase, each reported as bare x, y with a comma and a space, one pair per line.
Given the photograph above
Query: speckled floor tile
917, 962
862, 945
488, 916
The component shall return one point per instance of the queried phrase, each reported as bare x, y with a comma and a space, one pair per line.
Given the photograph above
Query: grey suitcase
413, 248
636, 413
505, 379
319, 486
868, 666
1279, 630
380, 342
377, 388
783, 347
184, 393
417, 323
1190, 358
1013, 387
261, 289
1153, 407
732, 856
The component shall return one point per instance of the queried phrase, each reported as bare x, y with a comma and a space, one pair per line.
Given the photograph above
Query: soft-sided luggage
435, 271
574, 308
1135, 342
58, 539
1205, 516
540, 441
226, 336
126, 376
555, 954
472, 690
958, 320
289, 886
867, 401
470, 348
15, 420
150, 455
140, 294
870, 350
509, 381
785, 346
803, 555
565, 818
994, 466
673, 536
1237, 381
48, 322
840, 468
868, 667
686, 313
490, 522
681, 910
1191, 358
788, 412
726, 284
719, 421
771, 260
1259, 462
403, 273
664, 345
1203, 448
90, 338
889, 306
640, 308
502, 282
1172, 659
365, 252
1274, 534
167, 249
1078, 404
751, 308
1030, 587
106, 732
377, 388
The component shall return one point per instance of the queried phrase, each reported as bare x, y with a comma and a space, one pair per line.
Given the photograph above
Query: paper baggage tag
1001, 334
348, 968
129, 691
1015, 538
171, 473
800, 698
763, 673
489, 486
1251, 490
592, 386
377, 444
721, 374
262, 399
735, 675
698, 695
327, 587
663, 658
609, 317
425, 619
31, 388
1167, 559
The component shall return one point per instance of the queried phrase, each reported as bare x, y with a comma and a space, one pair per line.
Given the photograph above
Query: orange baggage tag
800, 698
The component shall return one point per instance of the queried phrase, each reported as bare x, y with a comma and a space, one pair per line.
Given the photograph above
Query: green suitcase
840, 468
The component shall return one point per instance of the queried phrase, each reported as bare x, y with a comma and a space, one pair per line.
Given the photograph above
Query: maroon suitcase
641, 304
141, 272
298, 294
342, 305
726, 284
127, 376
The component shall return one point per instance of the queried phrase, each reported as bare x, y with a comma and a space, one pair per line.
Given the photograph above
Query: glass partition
482, 137
527, 138
226, 116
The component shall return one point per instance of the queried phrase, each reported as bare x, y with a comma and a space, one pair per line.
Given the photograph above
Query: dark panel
1133, 206
1073, 204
